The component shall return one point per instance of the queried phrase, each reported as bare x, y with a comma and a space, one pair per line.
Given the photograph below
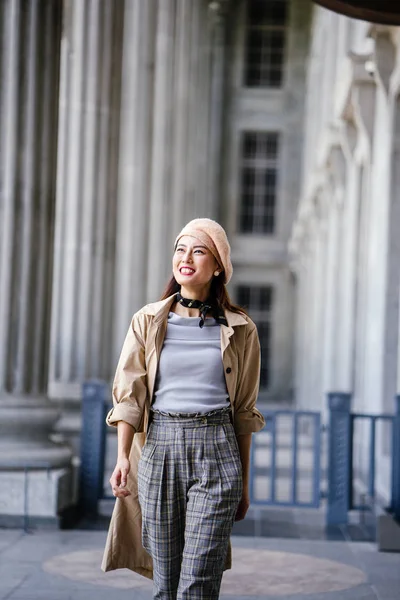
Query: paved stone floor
64, 565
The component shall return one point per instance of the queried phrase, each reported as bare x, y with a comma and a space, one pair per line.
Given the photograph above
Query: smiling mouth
186, 271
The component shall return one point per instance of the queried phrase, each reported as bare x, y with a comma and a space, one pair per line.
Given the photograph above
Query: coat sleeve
247, 419
129, 389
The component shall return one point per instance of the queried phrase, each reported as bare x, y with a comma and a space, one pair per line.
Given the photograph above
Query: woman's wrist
123, 456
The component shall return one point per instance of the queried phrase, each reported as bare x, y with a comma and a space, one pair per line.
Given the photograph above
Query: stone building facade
119, 122
345, 243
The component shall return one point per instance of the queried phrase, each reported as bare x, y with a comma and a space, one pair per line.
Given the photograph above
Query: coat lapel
234, 320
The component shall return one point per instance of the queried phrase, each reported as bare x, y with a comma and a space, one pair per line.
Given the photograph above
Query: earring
216, 273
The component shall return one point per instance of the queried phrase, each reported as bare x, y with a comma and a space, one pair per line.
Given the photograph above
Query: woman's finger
124, 476
121, 493
115, 478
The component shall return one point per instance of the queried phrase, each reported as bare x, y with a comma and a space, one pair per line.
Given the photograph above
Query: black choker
204, 308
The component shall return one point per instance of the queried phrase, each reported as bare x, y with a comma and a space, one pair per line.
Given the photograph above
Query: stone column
363, 97
160, 237
317, 316
187, 125
310, 317
391, 355
335, 193
30, 39
361, 321
183, 188
131, 269
81, 326
303, 315
331, 274
219, 14
301, 295
347, 285
384, 244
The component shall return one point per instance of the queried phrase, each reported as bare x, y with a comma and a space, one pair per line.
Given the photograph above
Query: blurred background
122, 120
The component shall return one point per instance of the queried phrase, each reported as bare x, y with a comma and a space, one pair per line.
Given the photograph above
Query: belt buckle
204, 420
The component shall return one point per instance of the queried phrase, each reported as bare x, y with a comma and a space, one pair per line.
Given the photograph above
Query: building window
265, 43
258, 301
259, 168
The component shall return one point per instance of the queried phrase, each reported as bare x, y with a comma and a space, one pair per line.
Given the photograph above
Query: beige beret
212, 235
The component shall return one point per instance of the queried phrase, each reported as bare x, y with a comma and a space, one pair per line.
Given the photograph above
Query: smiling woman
186, 385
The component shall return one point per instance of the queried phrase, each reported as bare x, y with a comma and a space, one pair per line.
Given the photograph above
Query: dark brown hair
218, 293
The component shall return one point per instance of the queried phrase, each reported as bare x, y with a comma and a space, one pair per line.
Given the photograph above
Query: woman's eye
200, 251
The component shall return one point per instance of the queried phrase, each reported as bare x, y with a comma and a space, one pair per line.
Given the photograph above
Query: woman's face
193, 264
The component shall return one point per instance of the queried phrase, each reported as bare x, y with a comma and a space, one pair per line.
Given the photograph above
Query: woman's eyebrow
198, 246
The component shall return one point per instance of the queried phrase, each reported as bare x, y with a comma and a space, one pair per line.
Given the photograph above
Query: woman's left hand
243, 506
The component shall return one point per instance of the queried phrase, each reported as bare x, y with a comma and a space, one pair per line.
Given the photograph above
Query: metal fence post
94, 409
340, 453
395, 507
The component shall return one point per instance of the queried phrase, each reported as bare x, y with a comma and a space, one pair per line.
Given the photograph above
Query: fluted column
182, 194
198, 106
348, 277
160, 237
331, 273
131, 271
29, 75
302, 368
308, 315
219, 13
187, 125
317, 309
336, 190
30, 37
82, 293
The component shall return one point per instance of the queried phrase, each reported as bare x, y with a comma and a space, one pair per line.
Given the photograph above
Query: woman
188, 376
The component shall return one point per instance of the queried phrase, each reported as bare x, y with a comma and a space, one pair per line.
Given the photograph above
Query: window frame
261, 316
268, 28
260, 210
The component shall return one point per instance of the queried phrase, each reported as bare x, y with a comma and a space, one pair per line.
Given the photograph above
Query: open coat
133, 389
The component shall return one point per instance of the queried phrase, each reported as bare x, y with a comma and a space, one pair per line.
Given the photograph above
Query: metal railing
341, 453
339, 471
269, 469
371, 476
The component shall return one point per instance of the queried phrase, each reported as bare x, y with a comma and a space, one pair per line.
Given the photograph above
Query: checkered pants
190, 485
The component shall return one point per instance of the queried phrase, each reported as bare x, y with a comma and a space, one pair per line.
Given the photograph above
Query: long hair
218, 293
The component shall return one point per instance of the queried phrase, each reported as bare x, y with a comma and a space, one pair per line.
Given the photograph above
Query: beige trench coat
132, 393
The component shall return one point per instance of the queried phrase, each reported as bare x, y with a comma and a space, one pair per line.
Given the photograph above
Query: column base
37, 477
26, 423
35, 494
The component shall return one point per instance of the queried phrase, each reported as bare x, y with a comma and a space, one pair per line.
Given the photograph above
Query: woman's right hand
119, 478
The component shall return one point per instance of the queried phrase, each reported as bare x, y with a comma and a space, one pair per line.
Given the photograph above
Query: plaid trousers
190, 485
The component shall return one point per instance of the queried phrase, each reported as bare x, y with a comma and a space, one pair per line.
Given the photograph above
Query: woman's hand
119, 478
243, 506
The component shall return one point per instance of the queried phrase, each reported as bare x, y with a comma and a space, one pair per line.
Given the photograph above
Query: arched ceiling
376, 11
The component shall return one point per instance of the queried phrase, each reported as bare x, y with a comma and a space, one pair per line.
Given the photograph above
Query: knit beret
212, 235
